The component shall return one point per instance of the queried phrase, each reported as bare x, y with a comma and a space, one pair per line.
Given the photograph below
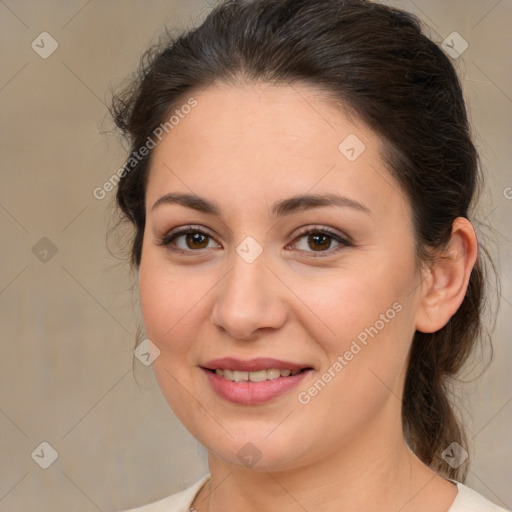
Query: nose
250, 300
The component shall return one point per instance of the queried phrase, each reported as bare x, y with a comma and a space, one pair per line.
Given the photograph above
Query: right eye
187, 240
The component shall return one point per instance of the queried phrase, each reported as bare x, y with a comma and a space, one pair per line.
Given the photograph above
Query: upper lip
252, 365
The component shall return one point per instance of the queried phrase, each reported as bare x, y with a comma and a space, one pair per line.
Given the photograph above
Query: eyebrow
279, 209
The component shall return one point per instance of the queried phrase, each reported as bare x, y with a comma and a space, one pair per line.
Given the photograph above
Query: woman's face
247, 282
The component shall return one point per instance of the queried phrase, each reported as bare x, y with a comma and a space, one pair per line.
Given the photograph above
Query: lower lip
252, 393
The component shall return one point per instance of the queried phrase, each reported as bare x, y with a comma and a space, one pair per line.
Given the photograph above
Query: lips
253, 382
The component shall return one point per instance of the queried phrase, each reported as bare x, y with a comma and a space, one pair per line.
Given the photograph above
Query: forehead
275, 114
260, 141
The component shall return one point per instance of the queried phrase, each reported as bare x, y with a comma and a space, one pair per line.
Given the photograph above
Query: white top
467, 500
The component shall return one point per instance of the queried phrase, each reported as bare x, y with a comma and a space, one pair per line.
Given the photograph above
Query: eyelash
167, 240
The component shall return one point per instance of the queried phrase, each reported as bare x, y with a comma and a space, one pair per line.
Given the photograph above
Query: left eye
319, 241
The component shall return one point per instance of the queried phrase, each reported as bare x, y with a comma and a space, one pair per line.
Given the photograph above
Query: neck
373, 473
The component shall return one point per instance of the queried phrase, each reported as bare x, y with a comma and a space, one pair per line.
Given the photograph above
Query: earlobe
444, 288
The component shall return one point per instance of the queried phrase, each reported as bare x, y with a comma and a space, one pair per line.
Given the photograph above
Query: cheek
364, 323
342, 307
156, 292
171, 307
171, 299
363, 370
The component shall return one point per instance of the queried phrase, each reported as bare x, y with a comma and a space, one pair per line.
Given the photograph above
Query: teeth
274, 373
259, 376
238, 376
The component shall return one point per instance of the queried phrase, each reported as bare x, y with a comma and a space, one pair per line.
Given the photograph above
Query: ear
446, 281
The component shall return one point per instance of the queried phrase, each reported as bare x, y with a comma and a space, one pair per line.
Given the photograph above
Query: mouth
255, 381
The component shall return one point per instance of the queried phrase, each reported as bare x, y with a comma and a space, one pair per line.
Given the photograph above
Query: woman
300, 182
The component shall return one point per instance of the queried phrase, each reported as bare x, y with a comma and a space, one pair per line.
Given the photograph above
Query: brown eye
319, 241
188, 240
196, 240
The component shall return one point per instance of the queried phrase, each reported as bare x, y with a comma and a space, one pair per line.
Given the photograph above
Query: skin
246, 147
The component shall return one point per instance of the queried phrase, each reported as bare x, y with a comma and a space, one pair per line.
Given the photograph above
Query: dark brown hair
377, 62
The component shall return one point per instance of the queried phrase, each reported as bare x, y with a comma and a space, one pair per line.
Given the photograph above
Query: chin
256, 452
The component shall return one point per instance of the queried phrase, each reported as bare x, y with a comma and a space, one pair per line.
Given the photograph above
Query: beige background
69, 324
